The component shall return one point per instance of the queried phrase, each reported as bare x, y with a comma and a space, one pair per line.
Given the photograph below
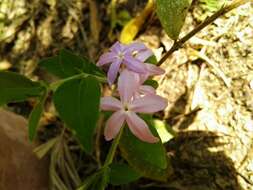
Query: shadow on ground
199, 165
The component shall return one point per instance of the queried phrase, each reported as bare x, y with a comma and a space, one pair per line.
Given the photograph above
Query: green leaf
71, 64
77, 102
122, 174
212, 5
148, 159
152, 83
123, 17
52, 65
16, 88
67, 64
172, 15
152, 60
35, 116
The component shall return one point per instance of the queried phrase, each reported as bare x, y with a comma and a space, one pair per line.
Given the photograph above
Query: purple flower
144, 90
127, 107
151, 71
122, 54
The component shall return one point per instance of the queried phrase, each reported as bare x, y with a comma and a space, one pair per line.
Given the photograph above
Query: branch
178, 43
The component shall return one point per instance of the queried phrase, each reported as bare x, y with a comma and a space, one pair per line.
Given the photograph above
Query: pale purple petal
114, 124
154, 70
143, 77
106, 58
109, 103
144, 55
135, 46
128, 83
135, 65
113, 71
146, 89
136, 95
151, 70
139, 128
116, 47
148, 104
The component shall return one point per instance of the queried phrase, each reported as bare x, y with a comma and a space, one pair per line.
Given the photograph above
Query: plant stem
113, 148
54, 85
178, 43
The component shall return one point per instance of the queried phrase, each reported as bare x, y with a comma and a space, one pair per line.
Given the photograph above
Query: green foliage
123, 17
122, 174
67, 64
115, 174
77, 99
102, 181
16, 88
172, 15
148, 159
97, 181
77, 102
53, 66
152, 60
152, 83
212, 5
35, 115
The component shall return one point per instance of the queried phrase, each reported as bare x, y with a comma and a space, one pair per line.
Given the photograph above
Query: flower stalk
54, 85
113, 148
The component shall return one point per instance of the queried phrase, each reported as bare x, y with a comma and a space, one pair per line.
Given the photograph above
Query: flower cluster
135, 97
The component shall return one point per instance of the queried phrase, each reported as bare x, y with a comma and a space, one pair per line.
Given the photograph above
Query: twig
97, 142
178, 43
95, 25
245, 178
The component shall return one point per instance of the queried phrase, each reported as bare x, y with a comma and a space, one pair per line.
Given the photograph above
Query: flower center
126, 108
121, 55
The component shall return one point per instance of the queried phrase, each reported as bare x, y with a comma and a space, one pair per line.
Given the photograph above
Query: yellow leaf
165, 132
132, 28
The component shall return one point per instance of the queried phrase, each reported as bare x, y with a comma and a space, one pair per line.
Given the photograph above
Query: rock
20, 169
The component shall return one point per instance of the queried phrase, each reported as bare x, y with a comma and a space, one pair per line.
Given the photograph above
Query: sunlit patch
5, 65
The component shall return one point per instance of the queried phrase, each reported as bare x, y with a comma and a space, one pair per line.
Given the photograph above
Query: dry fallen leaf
132, 28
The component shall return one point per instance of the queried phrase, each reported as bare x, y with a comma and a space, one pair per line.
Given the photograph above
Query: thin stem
54, 85
113, 148
97, 142
178, 43
90, 180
